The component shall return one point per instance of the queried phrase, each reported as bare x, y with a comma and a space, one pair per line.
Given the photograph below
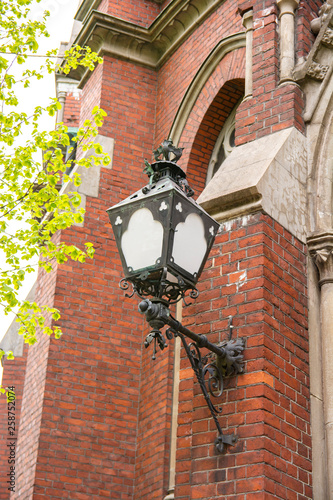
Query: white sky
59, 25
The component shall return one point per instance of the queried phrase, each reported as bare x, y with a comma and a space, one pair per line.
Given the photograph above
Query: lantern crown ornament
164, 238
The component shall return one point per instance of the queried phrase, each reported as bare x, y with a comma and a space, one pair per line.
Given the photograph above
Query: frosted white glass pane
170, 277
189, 245
142, 241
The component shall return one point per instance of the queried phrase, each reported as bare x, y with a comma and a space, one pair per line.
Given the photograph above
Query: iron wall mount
228, 362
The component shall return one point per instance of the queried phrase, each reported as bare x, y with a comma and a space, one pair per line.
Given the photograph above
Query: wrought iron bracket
210, 372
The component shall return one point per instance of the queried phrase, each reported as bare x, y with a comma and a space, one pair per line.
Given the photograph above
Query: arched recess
214, 102
209, 129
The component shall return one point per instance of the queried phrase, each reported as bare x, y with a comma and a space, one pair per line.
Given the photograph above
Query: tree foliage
32, 208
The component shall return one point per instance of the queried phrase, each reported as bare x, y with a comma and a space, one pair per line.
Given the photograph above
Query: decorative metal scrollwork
160, 287
228, 362
124, 285
201, 368
214, 382
232, 363
156, 337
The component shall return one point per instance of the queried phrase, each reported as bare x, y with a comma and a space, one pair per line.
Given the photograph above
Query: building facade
245, 87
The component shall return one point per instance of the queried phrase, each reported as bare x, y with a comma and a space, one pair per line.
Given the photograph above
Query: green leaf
29, 186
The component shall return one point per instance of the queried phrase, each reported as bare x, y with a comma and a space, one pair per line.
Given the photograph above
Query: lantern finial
166, 167
165, 149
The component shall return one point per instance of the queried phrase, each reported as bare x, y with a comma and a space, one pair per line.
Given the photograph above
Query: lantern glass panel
189, 244
142, 242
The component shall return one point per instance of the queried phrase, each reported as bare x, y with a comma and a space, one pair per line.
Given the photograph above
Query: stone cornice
149, 47
321, 250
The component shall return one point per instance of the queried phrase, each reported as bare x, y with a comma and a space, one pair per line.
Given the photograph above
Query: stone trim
317, 71
314, 73
12, 341
328, 38
316, 385
228, 44
287, 38
267, 174
150, 47
321, 251
90, 178
248, 25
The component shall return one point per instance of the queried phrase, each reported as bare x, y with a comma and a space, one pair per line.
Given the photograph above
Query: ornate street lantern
164, 238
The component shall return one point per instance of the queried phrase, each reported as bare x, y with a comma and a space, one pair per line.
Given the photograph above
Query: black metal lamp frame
153, 282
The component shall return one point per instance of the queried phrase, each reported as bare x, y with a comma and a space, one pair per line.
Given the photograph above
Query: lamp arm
228, 361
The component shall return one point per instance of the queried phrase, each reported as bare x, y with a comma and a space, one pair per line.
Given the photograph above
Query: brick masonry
95, 421
13, 375
273, 107
256, 273
33, 398
140, 12
94, 431
72, 109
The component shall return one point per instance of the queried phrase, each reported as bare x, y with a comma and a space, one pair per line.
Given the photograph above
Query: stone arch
321, 169
213, 103
320, 284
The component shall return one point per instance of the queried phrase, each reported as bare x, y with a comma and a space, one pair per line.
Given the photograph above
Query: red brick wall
129, 97
154, 424
33, 397
91, 94
13, 375
307, 10
140, 12
104, 417
274, 107
257, 274
131, 122
178, 72
72, 110
221, 92
88, 424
